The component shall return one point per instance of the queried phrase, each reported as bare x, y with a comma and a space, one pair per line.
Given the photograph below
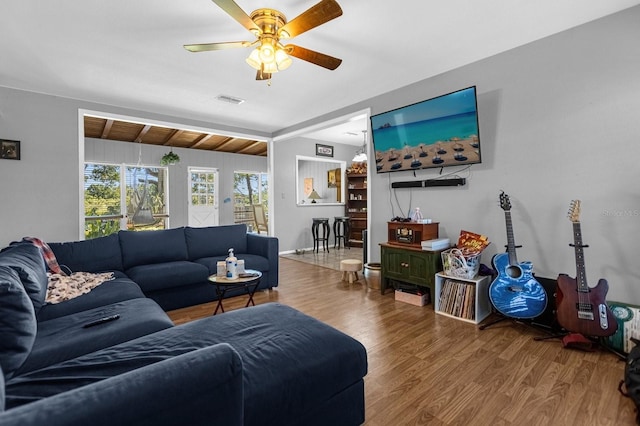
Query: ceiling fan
270, 26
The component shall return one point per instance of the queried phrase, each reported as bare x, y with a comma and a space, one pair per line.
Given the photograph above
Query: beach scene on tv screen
434, 133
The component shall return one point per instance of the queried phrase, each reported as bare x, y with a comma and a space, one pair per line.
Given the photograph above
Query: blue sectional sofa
263, 365
172, 266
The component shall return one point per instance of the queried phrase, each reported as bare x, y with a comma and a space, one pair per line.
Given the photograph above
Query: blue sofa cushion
216, 240
292, 363
65, 337
17, 321
147, 247
27, 260
167, 275
200, 388
95, 255
113, 291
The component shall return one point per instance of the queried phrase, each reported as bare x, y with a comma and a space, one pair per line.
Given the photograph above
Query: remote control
247, 275
101, 321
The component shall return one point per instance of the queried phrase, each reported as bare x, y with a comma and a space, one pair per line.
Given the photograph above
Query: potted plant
170, 158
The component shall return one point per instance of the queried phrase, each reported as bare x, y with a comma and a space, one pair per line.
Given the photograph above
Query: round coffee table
249, 280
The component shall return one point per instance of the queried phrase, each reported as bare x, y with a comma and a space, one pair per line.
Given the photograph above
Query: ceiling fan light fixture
269, 26
279, 61
361, 154
267, 53
254, 59
283, 60
270, 68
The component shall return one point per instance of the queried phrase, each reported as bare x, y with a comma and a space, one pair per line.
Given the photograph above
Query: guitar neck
581, 276
511, 244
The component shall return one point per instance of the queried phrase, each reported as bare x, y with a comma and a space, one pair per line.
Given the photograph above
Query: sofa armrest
265, 246
201, 387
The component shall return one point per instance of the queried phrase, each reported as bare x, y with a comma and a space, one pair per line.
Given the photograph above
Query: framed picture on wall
324, 150
308, 186
331, 178
9, 150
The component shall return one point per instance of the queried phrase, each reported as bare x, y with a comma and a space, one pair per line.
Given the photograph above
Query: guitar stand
530, 324
502, 318
593, 341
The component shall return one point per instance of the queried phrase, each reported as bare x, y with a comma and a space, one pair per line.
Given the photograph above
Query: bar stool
320, 224
341, 231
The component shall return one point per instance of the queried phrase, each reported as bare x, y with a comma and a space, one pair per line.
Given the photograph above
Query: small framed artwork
308, 186
331, 178
324, 150
9, 150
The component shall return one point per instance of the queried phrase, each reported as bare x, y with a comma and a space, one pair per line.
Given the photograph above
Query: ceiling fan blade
236, 12
205, 47
260, 75
315, 16
312, 56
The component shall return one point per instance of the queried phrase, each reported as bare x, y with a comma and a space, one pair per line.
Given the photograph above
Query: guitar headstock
574, 211
504, 202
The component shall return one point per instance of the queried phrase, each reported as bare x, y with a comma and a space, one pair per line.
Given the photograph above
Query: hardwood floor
427, 369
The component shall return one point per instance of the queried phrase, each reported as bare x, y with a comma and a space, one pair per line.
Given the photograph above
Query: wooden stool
350, 268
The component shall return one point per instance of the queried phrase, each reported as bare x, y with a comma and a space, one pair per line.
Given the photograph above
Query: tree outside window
249, 188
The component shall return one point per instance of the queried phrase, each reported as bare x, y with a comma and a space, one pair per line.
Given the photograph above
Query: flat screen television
437, 132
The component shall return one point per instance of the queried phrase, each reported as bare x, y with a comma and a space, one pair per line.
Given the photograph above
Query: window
113, 193
249, 188
203, 187
102, 200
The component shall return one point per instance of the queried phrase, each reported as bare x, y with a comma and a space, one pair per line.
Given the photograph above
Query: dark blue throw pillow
95, 255
27, 260
149, 247
17, 322
216, 240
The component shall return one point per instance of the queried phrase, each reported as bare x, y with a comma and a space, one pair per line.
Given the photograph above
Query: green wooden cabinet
408, 264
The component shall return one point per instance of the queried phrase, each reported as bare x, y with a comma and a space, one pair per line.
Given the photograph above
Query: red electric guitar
581, 309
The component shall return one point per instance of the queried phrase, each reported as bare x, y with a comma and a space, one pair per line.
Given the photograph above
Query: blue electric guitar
515, 292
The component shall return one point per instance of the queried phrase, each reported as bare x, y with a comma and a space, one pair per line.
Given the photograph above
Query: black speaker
407, 184
445, 182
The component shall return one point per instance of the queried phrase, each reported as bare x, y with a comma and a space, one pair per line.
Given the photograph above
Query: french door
203, 197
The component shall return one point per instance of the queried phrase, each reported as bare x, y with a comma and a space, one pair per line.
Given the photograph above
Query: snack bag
471, 244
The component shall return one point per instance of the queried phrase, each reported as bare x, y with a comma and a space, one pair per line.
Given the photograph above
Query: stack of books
437, 244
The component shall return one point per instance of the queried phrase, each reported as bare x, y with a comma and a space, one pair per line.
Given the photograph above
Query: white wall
39, 193
559, 120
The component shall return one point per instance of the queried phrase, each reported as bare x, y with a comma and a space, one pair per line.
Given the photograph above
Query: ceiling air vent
229, 99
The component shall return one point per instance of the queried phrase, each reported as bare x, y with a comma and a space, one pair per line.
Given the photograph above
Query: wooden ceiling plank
107, 128
225, 142
201, 140
173, 136
143, 132
257, 144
